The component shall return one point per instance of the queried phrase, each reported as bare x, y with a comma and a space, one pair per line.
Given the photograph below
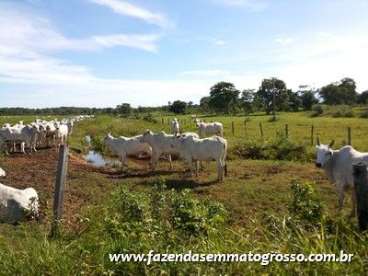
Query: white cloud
19, 31
219, 42
254, 5
284, 41
127, 9
212, 73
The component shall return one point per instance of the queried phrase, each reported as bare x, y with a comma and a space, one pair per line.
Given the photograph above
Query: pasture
108, 210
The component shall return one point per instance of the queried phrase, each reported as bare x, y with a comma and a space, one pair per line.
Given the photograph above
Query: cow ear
318, 143
332, 143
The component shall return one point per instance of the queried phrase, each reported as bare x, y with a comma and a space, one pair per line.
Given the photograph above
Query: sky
100, 53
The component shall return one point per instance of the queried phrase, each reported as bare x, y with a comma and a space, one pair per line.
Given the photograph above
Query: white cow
2, 172
209, 129
162, 144
16, 204
338, 166
124, 147
62, 133
175, 128
207, 149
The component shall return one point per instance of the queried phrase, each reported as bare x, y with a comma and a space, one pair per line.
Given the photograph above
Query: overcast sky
148, 52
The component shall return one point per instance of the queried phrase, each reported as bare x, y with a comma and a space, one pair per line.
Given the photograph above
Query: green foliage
224, 98
308, 99
305, 204
270, 89
178, 107
124, 109
279, 149
97, 144
343, 92
337, 111
363, 98
194, 216
149, 118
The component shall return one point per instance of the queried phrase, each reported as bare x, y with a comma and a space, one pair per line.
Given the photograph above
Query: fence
306, 133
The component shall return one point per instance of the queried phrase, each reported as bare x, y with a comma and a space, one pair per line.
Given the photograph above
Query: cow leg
154, 159
123, 161
197, 167
220, 172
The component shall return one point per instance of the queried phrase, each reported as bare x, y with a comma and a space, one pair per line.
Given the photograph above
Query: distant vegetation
224, 98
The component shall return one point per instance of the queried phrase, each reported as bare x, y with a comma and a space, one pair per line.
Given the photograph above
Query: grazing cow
175, 128
207, 149
209, 129
16, 204
338, 166
2, 172
124, 147
162, 144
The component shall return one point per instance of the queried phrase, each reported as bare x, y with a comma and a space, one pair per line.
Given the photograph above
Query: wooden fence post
233, 128
361, 190
261, 130
162, 120
287, 131
312, 135
349, 136
245, 127
62, 168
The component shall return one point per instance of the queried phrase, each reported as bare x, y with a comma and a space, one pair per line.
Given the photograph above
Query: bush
305, 203
317, 110
342, 111
149, 118
280, 149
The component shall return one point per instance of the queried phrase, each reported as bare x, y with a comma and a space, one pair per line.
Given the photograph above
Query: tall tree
224, 97
273, 95
246, 100
124, 109
178, 107
343, 92
363, 98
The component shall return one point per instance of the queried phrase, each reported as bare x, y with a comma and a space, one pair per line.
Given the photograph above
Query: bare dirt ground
252, 187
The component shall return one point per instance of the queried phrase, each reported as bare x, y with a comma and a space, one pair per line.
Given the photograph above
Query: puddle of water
97, 160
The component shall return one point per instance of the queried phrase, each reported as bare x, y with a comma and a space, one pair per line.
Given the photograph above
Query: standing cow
209, 129
338, 166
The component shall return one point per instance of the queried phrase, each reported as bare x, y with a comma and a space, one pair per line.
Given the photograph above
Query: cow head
324, 153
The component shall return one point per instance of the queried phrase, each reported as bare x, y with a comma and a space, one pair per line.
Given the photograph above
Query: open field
256, 195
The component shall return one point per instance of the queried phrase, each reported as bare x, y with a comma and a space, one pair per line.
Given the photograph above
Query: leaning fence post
312, 135
349, 136
62, 168
361, 190
233, 128
261, 129
287, 131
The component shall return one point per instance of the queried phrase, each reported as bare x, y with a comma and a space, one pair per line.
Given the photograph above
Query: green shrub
279, 149
305, 203
149, 118
317, 110
341, 111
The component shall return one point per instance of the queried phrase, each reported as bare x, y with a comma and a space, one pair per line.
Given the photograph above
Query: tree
246, 100
363, 98
308, 99
224, 97
124, 109
343, 92
273, 95
203, 104
178, 107
294, 102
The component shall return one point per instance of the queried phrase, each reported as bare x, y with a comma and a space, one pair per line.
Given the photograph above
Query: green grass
131, 215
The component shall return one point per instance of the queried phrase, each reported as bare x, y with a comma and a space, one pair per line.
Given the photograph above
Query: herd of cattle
16, 204
206, 145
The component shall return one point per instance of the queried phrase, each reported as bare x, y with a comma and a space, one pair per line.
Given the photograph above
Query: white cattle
124, 147
62, 133
162, 144
207, 149
16, 204
26, 136
338, 166
209, 129
2, 172
175, 128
